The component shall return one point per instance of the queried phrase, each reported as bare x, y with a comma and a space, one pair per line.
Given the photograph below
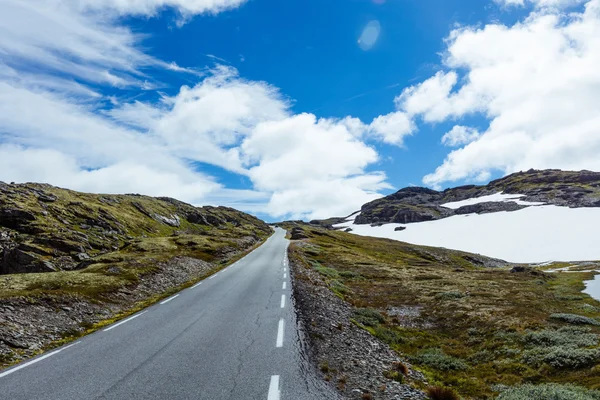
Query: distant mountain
417, 204
533, 216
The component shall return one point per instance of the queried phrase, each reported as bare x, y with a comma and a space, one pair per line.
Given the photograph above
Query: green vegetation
436, 359
119, 239
548, 392
476, 330
575, 319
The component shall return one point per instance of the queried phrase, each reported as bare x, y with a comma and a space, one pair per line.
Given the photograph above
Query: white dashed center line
15, 369
284, 276
196, 285
169, 299
125, 320
274, 388
282, 300
284, 285
280, 334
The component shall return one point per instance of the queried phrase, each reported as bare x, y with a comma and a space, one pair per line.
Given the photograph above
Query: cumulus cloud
536, 82
459, 135
540, 3
315, 168
392, 128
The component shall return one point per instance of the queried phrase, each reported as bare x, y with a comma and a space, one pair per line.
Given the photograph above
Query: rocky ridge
418, 204
48, 229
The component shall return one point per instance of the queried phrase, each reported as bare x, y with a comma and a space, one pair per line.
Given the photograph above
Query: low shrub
442, 393
394, 375
567, 336
437, 359
368, 316
328, 272
562, 357
401, 367
388, 335
449, 295
339, 288
349, 274
548, 391
575, 319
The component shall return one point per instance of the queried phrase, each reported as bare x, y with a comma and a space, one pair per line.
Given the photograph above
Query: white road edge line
212, 276
282, 300
125, 320
284, 284
274, 388
15, 369
169, 299
284, 276
196, 285
280, 333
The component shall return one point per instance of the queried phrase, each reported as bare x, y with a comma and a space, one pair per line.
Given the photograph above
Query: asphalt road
233, 336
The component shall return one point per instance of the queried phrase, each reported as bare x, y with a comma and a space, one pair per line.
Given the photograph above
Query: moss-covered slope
48, 229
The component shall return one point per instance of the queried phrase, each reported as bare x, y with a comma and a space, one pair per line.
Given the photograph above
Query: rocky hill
417, 204
71, 262
48, 229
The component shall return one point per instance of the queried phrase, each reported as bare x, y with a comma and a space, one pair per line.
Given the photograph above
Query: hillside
530, 217
393, 319
70, 261
553, 187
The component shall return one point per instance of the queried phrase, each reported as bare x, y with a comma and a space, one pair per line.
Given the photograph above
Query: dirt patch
346, 355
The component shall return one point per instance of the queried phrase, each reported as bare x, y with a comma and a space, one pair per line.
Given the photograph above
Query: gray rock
82, 256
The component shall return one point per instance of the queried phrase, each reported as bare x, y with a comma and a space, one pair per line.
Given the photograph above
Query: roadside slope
452, 321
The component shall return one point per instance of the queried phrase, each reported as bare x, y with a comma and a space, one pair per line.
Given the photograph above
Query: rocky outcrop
298, 233
416, 204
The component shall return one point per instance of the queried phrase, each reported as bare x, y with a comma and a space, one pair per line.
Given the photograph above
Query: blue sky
281, 109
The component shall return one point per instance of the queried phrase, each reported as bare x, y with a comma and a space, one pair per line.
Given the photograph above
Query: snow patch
530, 235
497, 197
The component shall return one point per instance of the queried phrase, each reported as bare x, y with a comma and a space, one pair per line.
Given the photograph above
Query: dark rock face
489, 207
415, 204
298, 234
15, 219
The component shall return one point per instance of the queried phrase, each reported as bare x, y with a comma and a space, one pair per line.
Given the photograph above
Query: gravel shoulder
345, 355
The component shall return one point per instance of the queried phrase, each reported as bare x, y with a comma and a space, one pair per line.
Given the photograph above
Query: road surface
232, 336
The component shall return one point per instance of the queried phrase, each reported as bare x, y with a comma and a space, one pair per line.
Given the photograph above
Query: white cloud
245, 126
152, 7
538, 84
459, 135
314, 168
392, 128
540, 3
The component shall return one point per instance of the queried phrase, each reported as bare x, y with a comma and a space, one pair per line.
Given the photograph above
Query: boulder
298, 234
15, 219
399, 228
